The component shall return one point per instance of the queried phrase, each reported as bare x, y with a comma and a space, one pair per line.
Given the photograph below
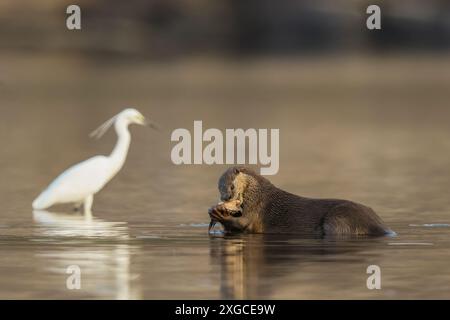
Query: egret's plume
100, 131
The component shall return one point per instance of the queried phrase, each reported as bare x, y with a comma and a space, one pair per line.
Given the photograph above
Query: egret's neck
119, 154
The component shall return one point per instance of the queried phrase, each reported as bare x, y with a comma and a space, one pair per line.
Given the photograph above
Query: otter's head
234, 183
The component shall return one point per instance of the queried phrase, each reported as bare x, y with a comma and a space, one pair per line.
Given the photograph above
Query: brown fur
268, 209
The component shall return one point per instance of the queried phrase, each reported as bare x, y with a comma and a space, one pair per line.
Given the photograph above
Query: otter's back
288, 213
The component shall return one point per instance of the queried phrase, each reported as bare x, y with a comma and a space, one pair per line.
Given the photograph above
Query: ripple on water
194, 225
410, 244
150, 236
431, 225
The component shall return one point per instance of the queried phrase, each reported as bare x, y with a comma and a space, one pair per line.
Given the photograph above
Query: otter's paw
219, 213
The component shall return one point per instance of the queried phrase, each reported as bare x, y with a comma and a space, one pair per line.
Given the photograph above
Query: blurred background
163, 29
362, 114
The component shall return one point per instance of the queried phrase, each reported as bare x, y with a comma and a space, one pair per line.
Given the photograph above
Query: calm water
372, 131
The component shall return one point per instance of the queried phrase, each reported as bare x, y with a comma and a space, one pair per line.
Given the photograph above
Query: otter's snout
226, 197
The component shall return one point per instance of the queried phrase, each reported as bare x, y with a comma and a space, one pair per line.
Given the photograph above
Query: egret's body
81, 182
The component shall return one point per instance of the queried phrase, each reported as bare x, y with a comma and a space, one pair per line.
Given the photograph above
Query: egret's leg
88, 203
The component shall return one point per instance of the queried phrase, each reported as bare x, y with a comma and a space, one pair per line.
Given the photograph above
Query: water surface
374, 131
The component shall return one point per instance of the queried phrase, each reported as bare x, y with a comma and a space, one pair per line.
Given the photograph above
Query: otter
261, 207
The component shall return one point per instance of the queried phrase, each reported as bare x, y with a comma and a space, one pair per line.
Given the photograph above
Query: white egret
79, 183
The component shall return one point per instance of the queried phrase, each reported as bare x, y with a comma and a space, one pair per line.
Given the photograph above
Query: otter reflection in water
266, 266
265, 208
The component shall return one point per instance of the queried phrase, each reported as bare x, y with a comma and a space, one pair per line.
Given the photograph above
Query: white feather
76, 183
79, 183
100, 131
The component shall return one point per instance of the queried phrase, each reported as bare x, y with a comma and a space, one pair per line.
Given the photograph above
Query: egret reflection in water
60, 224
100, 248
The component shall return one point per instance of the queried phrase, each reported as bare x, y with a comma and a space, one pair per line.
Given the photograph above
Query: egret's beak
151, 124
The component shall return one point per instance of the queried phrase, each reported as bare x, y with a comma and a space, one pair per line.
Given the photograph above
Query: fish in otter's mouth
232, 207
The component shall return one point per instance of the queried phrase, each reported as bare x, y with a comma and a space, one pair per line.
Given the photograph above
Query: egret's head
126, 117
133, 116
